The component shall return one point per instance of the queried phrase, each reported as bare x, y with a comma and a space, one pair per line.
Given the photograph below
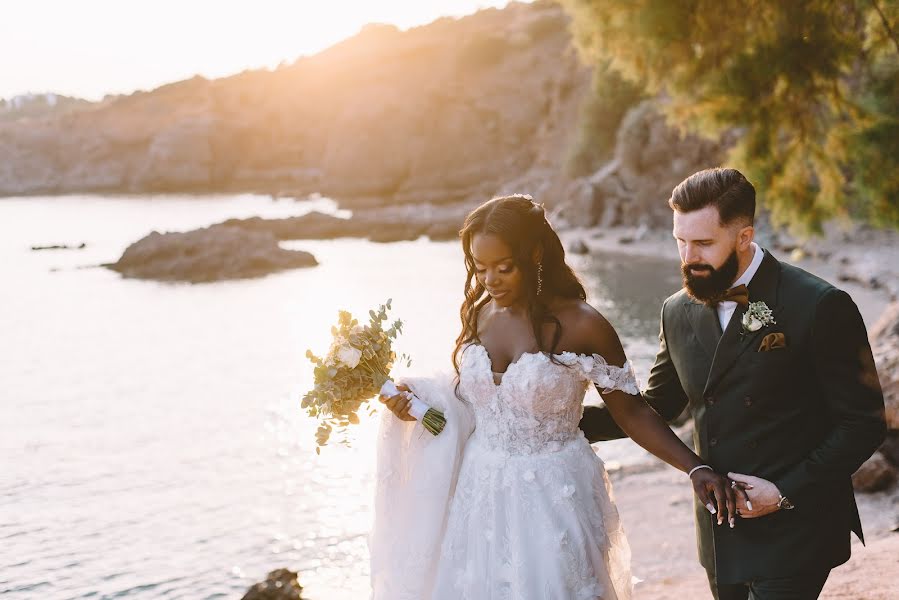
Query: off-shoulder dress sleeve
609, 378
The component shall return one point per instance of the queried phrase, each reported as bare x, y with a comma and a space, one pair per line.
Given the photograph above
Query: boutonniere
757, 315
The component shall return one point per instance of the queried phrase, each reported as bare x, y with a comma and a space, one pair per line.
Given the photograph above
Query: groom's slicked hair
726, 189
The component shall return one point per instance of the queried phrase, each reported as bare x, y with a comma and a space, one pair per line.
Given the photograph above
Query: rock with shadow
384, 224
211, 254
280, 584
881, 471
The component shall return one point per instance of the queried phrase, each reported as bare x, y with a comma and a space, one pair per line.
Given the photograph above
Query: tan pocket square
773, 341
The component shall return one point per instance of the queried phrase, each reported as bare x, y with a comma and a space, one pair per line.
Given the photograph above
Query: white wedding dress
520, 508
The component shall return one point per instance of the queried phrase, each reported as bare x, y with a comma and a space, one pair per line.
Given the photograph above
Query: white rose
336, 344
751, 323
349, 356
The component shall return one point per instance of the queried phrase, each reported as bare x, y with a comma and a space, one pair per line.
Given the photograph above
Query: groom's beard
709, 288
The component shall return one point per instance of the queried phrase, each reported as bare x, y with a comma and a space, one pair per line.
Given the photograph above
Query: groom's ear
745, 235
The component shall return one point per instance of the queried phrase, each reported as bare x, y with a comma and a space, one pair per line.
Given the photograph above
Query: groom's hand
715, 492
399, 404
758, 497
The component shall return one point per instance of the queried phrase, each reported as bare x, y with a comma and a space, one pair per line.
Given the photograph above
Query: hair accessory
539, 277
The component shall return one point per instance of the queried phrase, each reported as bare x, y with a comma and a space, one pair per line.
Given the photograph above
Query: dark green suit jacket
805, 417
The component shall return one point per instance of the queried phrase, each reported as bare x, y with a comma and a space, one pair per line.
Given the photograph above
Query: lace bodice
538, 404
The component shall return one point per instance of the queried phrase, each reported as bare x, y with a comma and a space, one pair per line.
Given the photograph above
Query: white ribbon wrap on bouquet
417, 409
414, 482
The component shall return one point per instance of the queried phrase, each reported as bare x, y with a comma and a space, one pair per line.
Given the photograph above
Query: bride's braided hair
521, 223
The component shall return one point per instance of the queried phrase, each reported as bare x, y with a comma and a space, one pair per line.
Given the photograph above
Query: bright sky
88, 48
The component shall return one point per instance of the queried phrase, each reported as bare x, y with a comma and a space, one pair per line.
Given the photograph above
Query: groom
776, 368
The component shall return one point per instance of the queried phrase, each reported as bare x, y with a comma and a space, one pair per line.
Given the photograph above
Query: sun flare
94, 47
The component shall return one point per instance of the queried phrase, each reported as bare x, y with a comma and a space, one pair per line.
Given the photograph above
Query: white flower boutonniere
757, 315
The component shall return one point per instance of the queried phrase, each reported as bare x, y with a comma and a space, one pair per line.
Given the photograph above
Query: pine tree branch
886, 24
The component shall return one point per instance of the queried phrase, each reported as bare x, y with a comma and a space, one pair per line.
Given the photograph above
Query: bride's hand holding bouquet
357, 368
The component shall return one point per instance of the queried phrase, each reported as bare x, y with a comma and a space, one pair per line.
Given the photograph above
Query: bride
510, 501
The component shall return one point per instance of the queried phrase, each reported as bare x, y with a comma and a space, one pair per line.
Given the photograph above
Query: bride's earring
539, 278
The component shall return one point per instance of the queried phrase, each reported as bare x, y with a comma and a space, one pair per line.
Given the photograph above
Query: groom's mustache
699, 268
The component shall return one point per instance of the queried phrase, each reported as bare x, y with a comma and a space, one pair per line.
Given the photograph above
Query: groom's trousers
800, 587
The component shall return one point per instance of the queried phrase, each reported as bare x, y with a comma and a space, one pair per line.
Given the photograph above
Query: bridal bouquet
356, 369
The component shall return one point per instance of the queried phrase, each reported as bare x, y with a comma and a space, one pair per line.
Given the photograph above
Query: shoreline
866, 267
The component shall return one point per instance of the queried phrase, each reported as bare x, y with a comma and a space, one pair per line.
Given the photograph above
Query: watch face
785, 503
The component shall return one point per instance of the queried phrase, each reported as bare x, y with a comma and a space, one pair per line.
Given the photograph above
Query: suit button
713, 442
748, 401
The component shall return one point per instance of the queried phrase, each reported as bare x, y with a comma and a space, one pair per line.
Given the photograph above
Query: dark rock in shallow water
80, 246
319, 226
210, 254
312, 226
578, 247
443, 231
386, 224
280, 584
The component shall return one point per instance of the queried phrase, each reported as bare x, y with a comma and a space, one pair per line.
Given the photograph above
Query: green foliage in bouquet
352, 372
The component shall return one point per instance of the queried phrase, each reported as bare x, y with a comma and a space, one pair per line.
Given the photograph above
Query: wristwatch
784, 503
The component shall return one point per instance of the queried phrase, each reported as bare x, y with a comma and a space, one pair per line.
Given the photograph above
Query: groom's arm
663, 392
599, 426
851, 394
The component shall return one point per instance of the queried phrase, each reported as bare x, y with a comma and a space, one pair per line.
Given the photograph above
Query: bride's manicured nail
749, 505
731, 523
711, 508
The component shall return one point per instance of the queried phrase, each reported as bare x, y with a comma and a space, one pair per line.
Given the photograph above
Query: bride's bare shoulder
576, 314
587, 331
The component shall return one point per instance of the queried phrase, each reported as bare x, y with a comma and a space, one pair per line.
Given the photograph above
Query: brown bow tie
739, 294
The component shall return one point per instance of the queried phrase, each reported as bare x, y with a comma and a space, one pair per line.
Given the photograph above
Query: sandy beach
656, 501
656, 506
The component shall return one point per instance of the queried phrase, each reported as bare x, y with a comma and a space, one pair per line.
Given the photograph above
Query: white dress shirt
726, 309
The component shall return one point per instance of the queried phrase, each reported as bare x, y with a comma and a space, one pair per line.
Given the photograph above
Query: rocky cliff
451, 112
437, 113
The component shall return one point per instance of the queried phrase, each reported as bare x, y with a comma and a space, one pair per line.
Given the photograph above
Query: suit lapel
762, 288
704, 321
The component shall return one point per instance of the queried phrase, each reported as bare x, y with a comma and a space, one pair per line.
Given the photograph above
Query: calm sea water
151, 436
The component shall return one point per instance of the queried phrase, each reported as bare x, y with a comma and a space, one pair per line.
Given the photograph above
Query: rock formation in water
280, 584
387, 224
80, 246
210, 254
